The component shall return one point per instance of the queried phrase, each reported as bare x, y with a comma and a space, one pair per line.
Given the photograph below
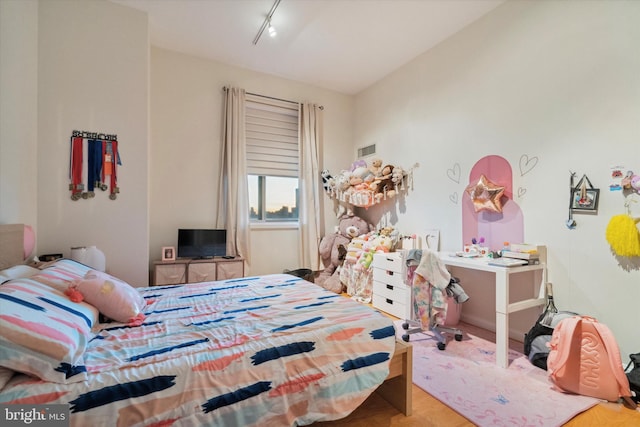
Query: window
272, 159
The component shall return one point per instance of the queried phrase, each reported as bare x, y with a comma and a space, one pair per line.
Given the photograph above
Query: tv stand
196, 270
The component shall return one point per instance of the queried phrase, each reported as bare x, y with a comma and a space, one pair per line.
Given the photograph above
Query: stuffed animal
384, 186
357, 164
343, 192
348, 228
397, 175
376, 167
386, 172
328, 183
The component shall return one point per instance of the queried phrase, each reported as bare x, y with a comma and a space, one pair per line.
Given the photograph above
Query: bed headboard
11, 245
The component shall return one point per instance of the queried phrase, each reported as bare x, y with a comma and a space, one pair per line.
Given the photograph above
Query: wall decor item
521, 191
168, 253
584, 198
571, 223
102, 155
454, 173
527, 164
623, 236
618, 177
486, 195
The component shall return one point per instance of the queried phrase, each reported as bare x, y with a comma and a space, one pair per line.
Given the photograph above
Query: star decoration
485, 195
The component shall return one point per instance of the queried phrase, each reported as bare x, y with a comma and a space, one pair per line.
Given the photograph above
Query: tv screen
201, 243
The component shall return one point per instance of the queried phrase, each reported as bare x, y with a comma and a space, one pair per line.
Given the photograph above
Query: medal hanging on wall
101, 156
75, 168
110, 161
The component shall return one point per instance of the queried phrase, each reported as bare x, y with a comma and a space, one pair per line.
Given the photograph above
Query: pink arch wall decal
496, 228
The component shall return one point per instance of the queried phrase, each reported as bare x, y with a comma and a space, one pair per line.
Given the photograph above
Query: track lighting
267, 23
272, 30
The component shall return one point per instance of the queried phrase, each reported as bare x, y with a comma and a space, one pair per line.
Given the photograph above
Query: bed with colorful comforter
258, 351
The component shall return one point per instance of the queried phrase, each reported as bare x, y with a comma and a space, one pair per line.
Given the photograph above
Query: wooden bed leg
397, 388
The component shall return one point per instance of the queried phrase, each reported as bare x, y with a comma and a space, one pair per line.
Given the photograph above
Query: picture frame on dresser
168, 253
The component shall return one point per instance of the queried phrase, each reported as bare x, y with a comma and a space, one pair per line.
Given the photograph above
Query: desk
503, 307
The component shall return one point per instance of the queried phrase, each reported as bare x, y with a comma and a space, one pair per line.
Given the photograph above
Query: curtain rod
271, 97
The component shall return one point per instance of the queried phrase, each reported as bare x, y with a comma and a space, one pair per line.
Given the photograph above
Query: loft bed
268, 350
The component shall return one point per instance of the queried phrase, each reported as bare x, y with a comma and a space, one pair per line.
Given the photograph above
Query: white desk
503, 307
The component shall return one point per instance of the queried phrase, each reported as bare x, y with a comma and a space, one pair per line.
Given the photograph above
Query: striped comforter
258, 351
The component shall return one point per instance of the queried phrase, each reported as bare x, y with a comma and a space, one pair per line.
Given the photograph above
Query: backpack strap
610, 344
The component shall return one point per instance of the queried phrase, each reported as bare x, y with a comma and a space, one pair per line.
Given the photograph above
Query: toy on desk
475, 242
475, 249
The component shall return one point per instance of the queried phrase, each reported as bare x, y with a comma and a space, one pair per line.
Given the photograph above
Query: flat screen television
201, 243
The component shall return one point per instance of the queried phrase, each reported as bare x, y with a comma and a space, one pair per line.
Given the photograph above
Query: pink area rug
465, 378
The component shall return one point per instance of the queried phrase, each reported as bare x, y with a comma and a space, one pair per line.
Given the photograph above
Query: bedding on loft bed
255, 351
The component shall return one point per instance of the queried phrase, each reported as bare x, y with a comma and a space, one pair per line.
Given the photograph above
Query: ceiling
341, 45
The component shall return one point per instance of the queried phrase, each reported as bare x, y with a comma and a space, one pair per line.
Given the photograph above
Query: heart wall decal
454, 173
521, 191
454, 197
527, 164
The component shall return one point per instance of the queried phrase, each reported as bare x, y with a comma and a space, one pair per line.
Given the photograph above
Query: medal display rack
100, 153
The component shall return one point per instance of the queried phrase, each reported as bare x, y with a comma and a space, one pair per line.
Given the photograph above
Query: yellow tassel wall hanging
623, 236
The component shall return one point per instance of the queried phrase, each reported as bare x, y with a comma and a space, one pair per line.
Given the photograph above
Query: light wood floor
430, 412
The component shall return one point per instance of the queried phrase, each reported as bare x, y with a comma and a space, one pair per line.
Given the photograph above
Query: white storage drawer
388, 276
395, 308
398, 293
390, 262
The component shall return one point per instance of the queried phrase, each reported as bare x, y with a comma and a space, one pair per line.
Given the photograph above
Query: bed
268, 350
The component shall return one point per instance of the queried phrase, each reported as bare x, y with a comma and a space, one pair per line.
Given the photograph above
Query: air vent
367, 151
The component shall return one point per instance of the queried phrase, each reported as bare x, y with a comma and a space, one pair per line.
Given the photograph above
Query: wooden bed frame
396, 389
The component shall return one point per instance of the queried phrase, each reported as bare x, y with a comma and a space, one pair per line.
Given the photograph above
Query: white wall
555, 80
93, 65
18, 111
186, 113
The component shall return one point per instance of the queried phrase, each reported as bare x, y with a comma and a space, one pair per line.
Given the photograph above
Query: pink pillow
114, 298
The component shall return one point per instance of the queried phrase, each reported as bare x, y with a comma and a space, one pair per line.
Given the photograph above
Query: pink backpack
584, 358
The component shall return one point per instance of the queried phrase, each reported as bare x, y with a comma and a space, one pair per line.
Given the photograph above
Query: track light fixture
272, 30
267, 24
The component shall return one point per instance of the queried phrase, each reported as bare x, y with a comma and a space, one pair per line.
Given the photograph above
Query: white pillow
17, 272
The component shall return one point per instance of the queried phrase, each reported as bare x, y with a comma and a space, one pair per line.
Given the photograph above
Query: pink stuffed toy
113, 297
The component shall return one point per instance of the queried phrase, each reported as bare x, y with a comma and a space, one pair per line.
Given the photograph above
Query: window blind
271, 136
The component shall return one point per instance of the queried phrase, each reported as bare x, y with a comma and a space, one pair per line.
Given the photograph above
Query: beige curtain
311, 227
233, 200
